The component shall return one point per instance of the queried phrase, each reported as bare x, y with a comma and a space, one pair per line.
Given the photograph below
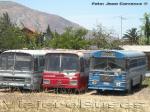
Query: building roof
143, 48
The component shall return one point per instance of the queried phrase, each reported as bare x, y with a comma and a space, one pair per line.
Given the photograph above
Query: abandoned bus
116, 70
22, 69
66, 69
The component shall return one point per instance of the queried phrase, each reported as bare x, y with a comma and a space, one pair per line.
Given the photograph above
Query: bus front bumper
67, 86
61, 83
15, 84
107, 86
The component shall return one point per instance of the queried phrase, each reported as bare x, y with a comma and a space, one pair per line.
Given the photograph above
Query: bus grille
105, 78
14, 79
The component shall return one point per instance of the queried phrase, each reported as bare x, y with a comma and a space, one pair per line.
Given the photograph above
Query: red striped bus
66, 69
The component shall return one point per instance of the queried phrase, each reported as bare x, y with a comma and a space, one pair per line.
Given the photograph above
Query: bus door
38, 70
84, 71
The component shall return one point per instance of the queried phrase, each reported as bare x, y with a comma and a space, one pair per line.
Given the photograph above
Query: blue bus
116, 70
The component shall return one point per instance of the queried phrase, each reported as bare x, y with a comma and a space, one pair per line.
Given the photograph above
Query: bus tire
99, 91
130, 88
140, 82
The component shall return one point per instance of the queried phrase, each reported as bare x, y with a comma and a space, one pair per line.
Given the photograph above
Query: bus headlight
94, 82
45, 81
28, 80
116, 73
73, 82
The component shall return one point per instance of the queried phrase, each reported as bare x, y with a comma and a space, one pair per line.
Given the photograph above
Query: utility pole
121, 19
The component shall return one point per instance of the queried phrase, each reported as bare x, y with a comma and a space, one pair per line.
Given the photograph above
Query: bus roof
43, 52
31, 52
65, 51
118, 53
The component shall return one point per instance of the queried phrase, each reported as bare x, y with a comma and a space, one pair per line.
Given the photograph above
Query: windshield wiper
108, 68
98, 64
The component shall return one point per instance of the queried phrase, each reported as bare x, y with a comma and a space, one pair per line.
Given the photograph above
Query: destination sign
108, 54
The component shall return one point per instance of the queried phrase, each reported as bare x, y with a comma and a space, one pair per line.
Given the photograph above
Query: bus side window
141, 61
41, 63
82, 65
36, 64
133, 63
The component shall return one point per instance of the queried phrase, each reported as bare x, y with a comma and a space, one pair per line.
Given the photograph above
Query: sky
89, 16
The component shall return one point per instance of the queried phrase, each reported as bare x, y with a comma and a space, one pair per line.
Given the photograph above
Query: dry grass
147, 82
88, 102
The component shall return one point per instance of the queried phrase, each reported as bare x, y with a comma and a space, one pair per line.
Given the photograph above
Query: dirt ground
91, 101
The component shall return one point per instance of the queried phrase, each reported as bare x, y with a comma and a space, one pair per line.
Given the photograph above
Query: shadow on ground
136, 89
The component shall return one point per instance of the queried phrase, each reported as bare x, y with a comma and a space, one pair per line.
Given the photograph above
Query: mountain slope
33, 19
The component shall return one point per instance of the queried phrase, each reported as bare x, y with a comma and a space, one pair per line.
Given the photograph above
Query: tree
5, 20
103, 38
11, 37
147, 27
49, 33
70, 39
132, 36
34, 41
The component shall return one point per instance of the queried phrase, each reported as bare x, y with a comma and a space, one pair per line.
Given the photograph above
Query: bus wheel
45, 90
140, 82
99, 91
85, 90
130, 88
12, 89
20, 90
77, 91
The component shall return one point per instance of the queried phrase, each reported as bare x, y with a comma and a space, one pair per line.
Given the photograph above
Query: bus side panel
84, 73
83, 81
136, 71
135, 74
38, 70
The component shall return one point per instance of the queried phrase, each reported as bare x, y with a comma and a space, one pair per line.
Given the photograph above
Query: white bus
22, 69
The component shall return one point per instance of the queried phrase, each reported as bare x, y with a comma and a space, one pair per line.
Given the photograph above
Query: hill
33, 19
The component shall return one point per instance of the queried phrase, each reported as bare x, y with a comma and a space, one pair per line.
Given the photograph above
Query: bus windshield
23, 62
62, 62
107, 63
16, 61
